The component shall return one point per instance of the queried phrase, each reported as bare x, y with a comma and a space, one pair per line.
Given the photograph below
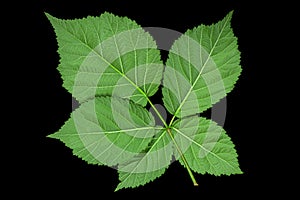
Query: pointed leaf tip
49, 17
118, 188
229, 15
52, 136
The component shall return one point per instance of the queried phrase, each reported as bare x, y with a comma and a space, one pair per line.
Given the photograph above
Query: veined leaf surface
205, 146
107, 55
149, 165
113, 67
203, 65
108, 130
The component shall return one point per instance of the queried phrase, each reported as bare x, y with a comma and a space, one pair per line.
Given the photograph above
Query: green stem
183, 158
168, 130
171, 122
157, 112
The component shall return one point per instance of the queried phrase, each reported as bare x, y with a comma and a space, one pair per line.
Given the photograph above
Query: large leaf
203, 66
148, 165
108, 130
107, 55
205, 146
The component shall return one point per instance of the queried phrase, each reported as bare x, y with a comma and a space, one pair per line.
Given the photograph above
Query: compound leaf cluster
112, 66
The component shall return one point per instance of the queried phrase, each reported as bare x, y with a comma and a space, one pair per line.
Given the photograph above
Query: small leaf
203, 66
206, 146
148, 165
107, 55
108, 130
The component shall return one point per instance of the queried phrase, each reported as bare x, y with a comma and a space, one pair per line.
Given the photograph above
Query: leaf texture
203, 66
149, 165
107, 55
113, 67
108, 130
206, 146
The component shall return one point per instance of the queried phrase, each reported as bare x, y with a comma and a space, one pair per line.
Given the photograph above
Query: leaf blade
99, 54
147, 166
108, 130
205, 62
206, 146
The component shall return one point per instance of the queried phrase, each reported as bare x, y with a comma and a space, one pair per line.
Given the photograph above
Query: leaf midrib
118, 131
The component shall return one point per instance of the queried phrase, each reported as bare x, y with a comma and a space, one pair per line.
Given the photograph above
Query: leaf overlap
113, 67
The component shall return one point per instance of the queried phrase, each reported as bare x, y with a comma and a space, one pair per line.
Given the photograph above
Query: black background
44, 167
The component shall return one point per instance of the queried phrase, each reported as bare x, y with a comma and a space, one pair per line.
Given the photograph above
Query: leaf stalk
183, 158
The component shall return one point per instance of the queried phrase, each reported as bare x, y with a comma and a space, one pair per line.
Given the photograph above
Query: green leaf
205, 146
108, 130
203, 66
107, 55
149, 165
